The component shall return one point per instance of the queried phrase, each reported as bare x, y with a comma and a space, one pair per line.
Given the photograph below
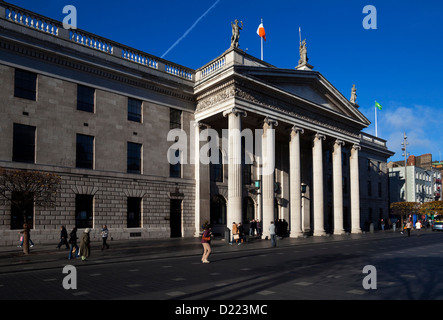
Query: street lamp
405, 154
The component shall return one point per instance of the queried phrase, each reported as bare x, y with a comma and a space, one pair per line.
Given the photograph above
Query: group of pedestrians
409, 226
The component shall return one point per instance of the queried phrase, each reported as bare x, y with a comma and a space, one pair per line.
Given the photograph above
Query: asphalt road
402, 269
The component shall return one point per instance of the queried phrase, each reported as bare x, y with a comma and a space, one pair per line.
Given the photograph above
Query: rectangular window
84, 215
134, 110
175, 170
134, 213
22, 210
25, 85
23, 149
85, 152
134, 158
85, 98
175, 119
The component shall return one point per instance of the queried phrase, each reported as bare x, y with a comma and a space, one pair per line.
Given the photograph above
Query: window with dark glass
217, 169
84, 211
175, 170
23, 149
134, 213
175, 119
24, 213
85, 98
25, 85
134, 157
134, 110
85, 152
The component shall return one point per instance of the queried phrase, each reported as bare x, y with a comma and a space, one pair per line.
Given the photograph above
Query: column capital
236, 112
340, 142
271, 122
297, 130
356, 147
320, 136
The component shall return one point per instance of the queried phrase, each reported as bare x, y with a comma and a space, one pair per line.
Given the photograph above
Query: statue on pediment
354, 95
303, 54
236, 28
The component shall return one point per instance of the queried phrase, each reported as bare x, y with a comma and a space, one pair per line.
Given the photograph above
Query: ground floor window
21, 214
134, 213
218, 210
84, 215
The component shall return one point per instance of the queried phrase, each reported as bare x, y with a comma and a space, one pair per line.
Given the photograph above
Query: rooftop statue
354, 95
236, 33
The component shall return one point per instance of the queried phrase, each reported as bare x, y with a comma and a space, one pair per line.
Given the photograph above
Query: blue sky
399, 64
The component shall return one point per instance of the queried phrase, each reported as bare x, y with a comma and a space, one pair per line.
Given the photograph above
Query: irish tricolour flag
261, 31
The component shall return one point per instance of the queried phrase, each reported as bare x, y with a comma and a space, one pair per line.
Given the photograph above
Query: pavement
46, 256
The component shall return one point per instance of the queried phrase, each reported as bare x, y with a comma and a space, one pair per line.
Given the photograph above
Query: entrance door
176, 218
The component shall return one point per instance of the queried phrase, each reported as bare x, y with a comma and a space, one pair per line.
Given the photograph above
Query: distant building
98, 113
423, 180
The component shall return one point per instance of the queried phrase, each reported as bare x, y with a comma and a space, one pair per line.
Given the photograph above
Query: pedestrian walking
273, 235
206, 243
22, 239
85, 245
235, 234
409, 227
418, 227
259, 228
241, 234
74, 250
105, 234
63, 237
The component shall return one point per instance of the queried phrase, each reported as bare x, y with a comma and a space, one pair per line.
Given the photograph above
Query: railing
91, 41
372, 139
32, 20
55, 28
213, 67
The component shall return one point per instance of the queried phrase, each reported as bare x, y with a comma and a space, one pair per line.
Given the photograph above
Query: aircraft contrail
190, 29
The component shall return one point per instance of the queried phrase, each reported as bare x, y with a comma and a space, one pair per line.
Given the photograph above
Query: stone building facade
100, 115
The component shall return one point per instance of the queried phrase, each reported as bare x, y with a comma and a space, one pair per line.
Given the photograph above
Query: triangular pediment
309, 86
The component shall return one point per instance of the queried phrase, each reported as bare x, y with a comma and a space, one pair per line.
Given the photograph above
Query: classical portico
302, 126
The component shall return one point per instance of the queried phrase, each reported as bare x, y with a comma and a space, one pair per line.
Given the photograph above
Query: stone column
317, 174
235, 187
338, 187
295, 182
197, 126
355, 190
268, 174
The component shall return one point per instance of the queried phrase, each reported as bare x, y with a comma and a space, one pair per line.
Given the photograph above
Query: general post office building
98, 114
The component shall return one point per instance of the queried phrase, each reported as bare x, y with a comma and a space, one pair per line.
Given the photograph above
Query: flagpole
261, 44
376, 120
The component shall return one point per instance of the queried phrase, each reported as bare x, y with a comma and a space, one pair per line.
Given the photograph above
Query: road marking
134, 285
222, 284
357, 292
408, 276
303, 284
82, 293
166, 267
175, 293
95, 275
215, 274
179, 279
134, 270
49, 280
266, 293
245, 269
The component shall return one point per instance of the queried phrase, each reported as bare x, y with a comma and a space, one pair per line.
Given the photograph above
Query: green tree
22, 189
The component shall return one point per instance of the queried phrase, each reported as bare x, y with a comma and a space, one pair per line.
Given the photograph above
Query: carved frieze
235, 90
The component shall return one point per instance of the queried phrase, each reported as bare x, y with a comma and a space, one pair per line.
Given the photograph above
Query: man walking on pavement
273, 235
